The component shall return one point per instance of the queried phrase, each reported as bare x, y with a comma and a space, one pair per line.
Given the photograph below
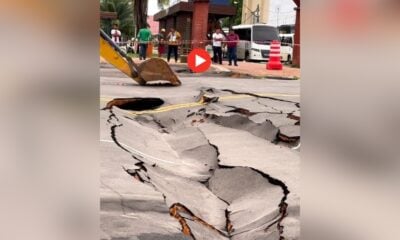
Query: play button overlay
199, 60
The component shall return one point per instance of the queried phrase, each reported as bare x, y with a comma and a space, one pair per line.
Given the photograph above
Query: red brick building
296, 50
154, 25
195, 18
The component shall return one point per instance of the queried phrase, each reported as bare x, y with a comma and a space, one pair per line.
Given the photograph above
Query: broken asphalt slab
162, 169
170, 174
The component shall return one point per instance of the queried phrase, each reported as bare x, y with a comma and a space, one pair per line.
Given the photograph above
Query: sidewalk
252, 69
260, 70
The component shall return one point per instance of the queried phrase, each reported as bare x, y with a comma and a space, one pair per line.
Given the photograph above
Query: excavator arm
153, 69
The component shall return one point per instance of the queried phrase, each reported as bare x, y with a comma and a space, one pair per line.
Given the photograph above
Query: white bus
287, 43
255, 41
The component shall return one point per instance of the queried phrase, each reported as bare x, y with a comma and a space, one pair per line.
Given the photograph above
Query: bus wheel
247, 57
289, 59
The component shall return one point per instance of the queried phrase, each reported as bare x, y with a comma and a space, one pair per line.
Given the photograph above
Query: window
244, 34
286, 41
264, 34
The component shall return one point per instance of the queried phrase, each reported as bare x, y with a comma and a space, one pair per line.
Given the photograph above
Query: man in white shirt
115, 34
217, 37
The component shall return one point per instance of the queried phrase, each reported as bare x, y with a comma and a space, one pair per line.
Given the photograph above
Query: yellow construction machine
153, 69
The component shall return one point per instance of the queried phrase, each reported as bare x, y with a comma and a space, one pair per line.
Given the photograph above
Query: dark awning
221, 10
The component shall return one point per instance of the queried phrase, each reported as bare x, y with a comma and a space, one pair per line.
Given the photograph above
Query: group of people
231, 41
172, 40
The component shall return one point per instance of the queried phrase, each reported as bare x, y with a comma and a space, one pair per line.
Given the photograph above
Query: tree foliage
125, 19
237, 19
162, 4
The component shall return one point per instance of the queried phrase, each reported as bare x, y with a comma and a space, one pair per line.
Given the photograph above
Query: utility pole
256, 14
277, 16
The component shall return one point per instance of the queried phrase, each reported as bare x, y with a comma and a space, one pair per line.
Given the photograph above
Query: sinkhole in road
233, 211
135, 104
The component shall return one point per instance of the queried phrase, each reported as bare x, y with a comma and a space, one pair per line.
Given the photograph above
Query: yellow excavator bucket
154, 69
114, 58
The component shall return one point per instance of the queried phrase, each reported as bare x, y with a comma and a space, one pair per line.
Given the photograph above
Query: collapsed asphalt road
214, 162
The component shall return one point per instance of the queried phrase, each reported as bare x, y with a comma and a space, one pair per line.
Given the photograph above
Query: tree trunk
140, 13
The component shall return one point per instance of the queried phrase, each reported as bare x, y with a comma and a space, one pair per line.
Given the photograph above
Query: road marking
200, 103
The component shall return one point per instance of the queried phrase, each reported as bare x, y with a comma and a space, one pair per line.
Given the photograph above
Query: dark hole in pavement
182, 70
136, 104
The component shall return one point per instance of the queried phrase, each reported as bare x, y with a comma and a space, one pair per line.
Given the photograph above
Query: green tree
237, 19
162, 4
125, 19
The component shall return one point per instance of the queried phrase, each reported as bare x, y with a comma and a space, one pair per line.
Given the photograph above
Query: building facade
187, 17
154, 25
255, 11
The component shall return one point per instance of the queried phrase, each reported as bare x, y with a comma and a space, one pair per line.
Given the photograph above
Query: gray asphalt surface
224, 169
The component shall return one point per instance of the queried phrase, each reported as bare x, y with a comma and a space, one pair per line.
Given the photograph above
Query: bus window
244, 34
264, 34
286, 41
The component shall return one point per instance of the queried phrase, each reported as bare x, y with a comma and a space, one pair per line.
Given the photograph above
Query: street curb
291, 78
217, 69
221, 69
281, 78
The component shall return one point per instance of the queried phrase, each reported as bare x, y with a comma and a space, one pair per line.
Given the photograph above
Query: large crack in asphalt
260, 96
238, 118
265, 130
270, 118
177, 210
181, 212
282, 205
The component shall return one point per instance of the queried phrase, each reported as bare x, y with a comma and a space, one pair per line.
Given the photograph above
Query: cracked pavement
219, 159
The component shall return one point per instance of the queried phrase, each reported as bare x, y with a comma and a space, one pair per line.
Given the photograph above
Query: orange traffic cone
274, 62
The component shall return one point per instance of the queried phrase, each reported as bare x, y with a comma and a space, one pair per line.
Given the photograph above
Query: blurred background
49, 87
350, 83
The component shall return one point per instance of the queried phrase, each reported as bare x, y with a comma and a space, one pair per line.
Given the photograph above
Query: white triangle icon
199, 60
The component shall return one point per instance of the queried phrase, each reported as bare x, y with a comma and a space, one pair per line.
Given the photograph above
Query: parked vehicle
255, 40
287, 43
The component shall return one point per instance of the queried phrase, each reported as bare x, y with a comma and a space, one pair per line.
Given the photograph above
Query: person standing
115, 34
174, 38
231, 41
217, 38
144, 36
161, 42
